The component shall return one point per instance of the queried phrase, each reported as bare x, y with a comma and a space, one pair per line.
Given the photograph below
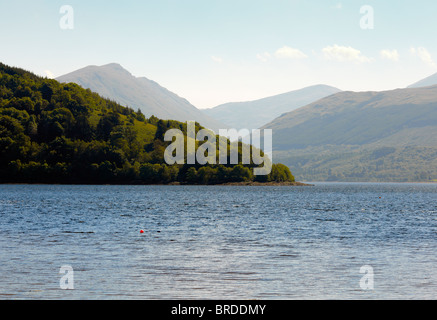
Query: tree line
52, 132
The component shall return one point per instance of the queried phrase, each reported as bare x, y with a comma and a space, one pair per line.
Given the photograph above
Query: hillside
254, 114
364, 136
114, 82
429, 81
61, 133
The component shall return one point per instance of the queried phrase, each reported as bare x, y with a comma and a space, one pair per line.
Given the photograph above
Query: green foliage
61, 133
281, 173
357, 163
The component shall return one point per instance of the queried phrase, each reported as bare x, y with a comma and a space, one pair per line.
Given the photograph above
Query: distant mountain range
358, 133
254, 114
320, 132
429, 81
397, 118
114, 82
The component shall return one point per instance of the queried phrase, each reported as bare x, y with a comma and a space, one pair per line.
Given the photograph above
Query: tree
47, 91
280, 173
106, 125
191, 176
206, 175
240, 173
82, 129
161, 129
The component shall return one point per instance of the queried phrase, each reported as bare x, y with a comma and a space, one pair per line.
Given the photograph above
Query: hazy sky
216, 51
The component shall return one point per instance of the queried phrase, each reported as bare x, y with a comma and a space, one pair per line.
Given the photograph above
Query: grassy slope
341, 137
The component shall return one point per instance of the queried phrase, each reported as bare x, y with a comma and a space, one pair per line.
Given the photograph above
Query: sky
217, 51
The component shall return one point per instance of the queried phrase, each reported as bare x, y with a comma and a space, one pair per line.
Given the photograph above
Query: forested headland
65, 134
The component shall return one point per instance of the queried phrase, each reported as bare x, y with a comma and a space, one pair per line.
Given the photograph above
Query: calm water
219, 242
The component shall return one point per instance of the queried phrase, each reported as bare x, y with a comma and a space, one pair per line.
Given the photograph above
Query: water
219, 242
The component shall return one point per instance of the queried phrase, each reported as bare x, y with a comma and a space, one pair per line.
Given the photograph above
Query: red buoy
142, 231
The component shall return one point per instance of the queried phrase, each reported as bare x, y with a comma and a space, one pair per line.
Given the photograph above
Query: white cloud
49, 74
390, 55
338, 6
264, 57
217, 59
290, 53
342, 54
423, 55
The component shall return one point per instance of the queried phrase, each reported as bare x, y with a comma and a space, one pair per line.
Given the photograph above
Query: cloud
217, 59
338, 6
344, 54
290, 53
423, 55
49, 74
392, 55
264, 57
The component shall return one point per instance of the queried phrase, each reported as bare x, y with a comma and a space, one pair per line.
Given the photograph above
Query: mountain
361, 136
429, 81
254, 114
51, 132
114, 82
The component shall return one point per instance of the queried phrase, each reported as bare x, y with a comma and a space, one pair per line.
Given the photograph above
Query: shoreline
250, 183
262, 184
242, 184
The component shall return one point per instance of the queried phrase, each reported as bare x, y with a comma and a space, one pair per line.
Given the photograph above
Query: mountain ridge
426, 82
348, 130
114, 82
256, 113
